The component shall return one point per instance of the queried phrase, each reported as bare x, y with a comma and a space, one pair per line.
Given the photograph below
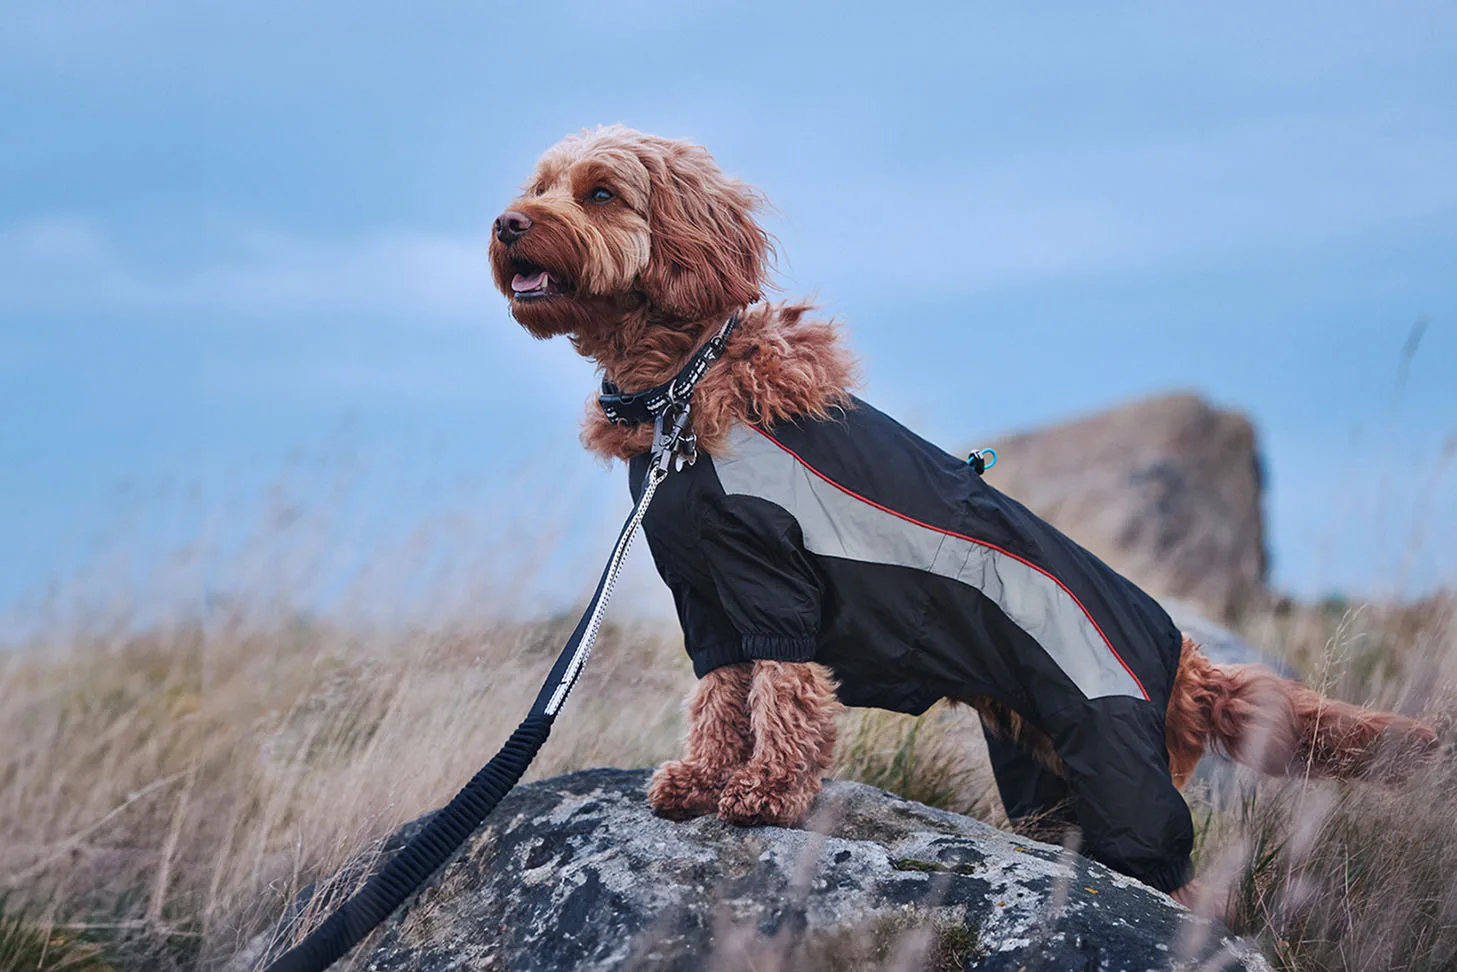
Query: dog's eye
600, 195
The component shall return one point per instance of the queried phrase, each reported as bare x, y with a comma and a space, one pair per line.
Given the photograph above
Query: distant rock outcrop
1166, 490
576, 873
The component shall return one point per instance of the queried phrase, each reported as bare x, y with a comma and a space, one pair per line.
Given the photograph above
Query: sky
242, 257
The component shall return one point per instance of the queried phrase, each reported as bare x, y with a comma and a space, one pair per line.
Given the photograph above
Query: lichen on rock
576, 873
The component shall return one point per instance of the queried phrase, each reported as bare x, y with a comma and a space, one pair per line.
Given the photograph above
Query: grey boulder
576, 873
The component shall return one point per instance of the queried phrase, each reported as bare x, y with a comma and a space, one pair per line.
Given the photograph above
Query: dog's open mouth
535, 283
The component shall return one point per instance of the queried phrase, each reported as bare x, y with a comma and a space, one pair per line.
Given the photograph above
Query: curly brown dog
638, 248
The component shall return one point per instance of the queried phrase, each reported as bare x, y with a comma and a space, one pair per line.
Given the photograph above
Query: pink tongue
522, 284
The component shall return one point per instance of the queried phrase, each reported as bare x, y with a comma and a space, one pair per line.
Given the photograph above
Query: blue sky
244, 243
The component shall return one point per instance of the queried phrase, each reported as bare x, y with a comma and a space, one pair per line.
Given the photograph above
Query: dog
822, 555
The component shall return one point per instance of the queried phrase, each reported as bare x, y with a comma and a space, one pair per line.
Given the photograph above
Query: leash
669, 406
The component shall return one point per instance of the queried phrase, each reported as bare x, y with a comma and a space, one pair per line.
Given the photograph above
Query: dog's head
614, 222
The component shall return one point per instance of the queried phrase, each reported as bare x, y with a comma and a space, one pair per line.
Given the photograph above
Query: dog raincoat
855, 543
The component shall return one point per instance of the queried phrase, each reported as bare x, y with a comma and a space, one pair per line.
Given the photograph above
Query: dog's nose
511, 226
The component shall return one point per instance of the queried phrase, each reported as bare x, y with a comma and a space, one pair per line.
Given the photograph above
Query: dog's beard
585, 316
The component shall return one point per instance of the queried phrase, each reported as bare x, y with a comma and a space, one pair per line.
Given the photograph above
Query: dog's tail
1285, 728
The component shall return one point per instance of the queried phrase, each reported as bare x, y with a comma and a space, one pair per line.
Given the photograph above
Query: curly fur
1251, 715
648, 274
780, 363
719, 741
653, 274
1282, 727
792, 709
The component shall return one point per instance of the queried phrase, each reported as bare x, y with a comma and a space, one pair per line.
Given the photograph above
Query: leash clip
673, 444
687, 451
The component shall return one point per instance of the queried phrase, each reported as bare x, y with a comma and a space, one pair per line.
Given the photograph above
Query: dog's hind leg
719, 740
792, 709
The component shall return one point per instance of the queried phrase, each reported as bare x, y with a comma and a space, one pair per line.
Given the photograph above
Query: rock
1218, 642
576, 873
1166, 490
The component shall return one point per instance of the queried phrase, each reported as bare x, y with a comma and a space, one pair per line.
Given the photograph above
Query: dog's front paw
752, 798
681, 790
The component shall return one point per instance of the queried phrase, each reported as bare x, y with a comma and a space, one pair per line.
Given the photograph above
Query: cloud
428, 325
1236, 196
73, 265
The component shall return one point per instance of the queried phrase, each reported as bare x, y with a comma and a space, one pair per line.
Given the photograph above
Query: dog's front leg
719, 741
792, 709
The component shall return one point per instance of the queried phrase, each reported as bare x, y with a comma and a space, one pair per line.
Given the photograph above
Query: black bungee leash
668, 406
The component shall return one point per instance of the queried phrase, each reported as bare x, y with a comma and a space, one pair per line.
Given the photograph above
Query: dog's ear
708, 252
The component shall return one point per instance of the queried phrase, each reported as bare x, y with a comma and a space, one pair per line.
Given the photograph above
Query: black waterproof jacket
855, 543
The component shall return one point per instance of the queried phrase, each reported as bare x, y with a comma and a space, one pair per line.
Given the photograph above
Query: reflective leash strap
448, 828
592, 618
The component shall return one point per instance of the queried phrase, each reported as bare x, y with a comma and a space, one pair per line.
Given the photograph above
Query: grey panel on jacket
836, 523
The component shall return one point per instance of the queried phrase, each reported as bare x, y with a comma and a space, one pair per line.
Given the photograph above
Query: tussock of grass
938, 759
33, 946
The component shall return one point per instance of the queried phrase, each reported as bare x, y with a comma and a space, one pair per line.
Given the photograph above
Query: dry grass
165, 793
169, 791
939, 759
1349, 876
178, 787
27, 945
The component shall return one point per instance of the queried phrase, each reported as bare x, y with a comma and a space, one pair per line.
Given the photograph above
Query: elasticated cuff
776, 648
706, 658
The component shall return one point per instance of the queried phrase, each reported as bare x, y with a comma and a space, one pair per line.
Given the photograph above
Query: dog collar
645, 406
